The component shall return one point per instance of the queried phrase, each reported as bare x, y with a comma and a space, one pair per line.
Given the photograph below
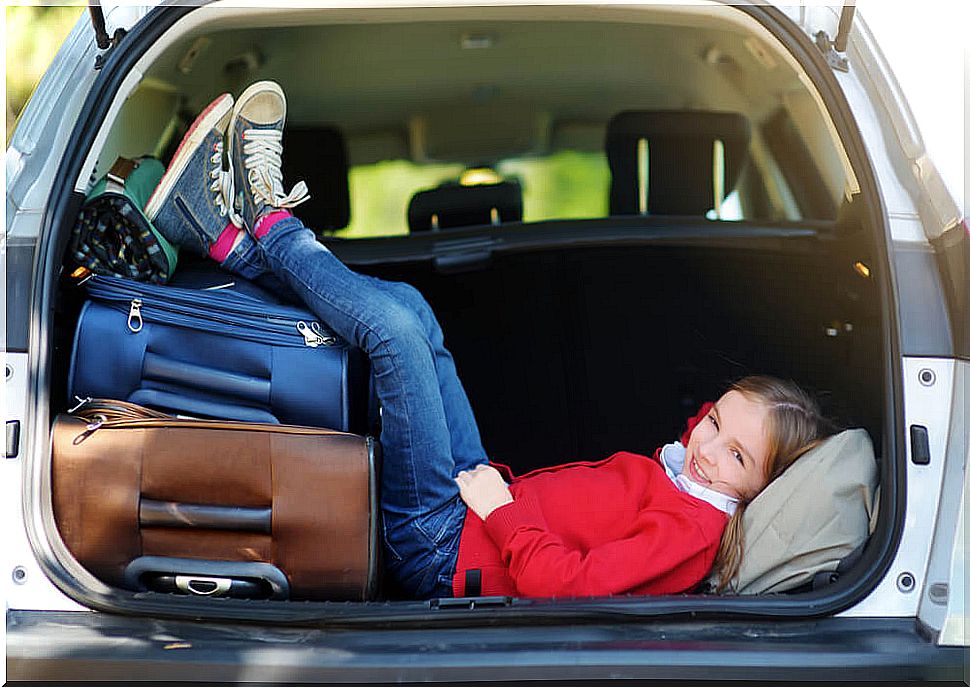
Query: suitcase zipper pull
96, 422
326, 339
135, 322
313, 336
80, 403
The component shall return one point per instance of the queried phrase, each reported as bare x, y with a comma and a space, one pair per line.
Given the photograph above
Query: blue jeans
428, 429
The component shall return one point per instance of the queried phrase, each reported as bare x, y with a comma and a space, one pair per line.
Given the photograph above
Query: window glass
380, 193
568, 184
565, 185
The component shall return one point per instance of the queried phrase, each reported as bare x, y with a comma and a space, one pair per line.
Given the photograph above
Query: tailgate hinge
834, 51
104, 41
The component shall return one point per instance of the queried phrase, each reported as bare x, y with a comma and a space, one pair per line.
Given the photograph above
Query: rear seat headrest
668, 162
451, 205
318, 156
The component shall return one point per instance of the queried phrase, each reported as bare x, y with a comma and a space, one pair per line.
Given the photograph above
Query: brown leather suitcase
147, 501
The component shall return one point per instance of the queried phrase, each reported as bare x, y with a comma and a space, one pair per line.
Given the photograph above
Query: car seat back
318, 156
677, 162
451, 205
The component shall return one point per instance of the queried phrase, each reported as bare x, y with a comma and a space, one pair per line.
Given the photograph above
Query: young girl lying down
454, 524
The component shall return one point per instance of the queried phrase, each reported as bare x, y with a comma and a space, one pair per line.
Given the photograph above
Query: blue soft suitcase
216, 353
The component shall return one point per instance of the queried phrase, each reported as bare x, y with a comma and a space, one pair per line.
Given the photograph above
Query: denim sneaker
190, 204
255, 139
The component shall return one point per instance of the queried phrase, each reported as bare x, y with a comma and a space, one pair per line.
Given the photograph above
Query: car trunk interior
572, 354
574, 337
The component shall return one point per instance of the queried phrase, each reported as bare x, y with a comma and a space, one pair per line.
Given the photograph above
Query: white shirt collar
672, 457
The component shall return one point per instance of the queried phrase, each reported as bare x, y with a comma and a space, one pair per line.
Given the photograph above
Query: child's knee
413, 299
399, 321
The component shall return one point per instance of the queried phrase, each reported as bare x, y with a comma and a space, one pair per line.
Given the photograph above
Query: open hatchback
614, 211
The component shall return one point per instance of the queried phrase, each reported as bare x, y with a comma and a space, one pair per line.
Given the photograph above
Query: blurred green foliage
379, 195
33, 33
564, 185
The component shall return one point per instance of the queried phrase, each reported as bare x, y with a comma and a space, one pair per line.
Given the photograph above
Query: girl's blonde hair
794, 425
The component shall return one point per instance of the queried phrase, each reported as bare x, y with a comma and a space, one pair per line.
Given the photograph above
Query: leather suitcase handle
152, 513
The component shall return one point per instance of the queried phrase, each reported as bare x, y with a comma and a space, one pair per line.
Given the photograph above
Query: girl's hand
483, 490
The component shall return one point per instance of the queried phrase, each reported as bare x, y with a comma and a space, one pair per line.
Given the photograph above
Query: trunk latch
471, 602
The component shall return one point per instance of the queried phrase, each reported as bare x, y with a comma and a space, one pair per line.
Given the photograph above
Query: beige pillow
814, 515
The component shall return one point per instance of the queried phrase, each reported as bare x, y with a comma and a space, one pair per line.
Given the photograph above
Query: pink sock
220, 250
266, 222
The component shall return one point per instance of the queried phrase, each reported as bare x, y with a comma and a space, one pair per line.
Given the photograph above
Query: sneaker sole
257, 87
203, 124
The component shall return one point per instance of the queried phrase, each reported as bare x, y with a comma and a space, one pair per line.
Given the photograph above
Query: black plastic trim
925, 324
881, 548
12, 449
20, 270
97, 646
919, 439
521, 237
953, 259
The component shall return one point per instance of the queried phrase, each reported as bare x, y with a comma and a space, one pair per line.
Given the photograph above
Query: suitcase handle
203, 586
152, 513
206, 577
246, 388
196, 407
206, 586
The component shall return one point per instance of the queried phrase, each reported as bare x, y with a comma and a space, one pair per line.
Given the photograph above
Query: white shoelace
221, 184
262, 157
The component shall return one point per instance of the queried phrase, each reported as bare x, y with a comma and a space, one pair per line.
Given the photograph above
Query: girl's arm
669, 553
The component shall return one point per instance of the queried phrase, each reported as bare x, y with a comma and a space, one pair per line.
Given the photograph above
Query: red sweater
617, 526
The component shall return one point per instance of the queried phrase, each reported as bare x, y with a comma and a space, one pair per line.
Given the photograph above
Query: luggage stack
216, 353
230, 460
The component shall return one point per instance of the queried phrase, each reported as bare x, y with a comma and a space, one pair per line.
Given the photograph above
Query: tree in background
33, 35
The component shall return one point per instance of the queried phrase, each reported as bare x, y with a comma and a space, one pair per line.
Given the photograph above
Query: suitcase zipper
101, 413
143, 423
312, 334
170, 305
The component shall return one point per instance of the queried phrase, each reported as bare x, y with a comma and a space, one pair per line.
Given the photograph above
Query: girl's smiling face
728, 449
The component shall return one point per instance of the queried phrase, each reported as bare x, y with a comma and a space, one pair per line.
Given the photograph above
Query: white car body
926, 582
